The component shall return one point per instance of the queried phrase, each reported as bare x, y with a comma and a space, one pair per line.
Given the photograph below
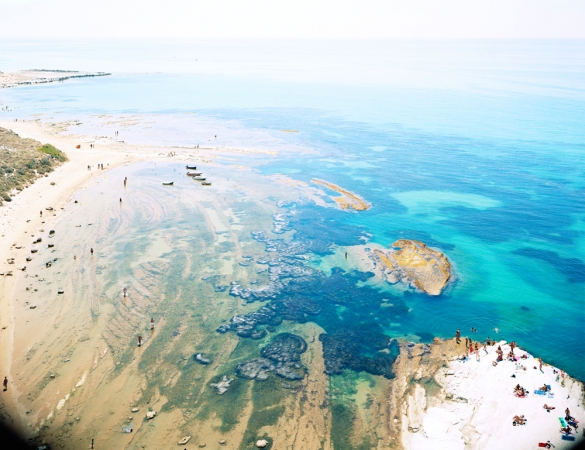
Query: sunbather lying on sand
548, 408
519, 420
566, 430
544, 388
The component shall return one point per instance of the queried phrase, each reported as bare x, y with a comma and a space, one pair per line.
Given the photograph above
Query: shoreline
20, 217
445, 403
419, 366
41, 76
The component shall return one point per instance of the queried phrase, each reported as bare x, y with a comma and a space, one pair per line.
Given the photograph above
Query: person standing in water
91, 250
139, 341
41, 213
124, 290
152, 324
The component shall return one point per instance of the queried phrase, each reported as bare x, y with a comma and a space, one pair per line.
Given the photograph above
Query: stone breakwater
348, 199
414, 263
31, 77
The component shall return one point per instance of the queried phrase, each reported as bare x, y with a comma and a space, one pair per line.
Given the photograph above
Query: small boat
199, 178
191, 167
193, 174
169, 184
206, 183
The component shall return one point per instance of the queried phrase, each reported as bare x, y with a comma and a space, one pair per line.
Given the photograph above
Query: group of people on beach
569, 425
99, 166
140, 340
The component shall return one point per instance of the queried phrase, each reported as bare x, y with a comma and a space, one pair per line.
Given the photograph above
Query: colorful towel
538, 392
567, 437
563, 423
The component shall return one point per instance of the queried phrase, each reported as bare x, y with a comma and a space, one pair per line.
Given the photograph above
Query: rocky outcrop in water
415, 263
282, 356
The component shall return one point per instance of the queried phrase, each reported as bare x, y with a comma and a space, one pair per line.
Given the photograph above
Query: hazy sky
294, 19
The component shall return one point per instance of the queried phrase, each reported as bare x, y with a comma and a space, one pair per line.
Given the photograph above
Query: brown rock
427, 269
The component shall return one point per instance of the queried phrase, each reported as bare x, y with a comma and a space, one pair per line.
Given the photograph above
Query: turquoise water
476, 148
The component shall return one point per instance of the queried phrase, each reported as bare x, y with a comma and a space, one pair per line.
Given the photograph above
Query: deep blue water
475, 147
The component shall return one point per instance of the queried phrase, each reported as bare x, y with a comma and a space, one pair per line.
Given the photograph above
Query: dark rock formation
282, 356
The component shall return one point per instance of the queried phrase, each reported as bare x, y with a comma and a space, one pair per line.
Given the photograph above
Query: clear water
475, 147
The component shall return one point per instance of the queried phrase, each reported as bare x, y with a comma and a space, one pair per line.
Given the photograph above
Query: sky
309, 19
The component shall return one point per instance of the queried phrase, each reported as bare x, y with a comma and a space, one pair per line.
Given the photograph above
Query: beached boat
169, 184
206, 183
191, 167
193, 174
199, 178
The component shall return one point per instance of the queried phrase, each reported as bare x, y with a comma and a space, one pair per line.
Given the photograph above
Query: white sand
476, 406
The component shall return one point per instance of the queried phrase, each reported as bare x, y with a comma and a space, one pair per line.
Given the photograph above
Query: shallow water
475, 148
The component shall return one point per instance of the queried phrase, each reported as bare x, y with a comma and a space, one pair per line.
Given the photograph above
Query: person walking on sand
458, 336
139, 341
41, 213
540, 364
124, 290
5, 383
120, 199
152, 324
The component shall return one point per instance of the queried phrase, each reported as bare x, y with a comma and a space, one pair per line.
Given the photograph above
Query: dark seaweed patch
300, 293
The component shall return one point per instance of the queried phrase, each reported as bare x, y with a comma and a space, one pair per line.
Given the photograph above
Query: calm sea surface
474, 147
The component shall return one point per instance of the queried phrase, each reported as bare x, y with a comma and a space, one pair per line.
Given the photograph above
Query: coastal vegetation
22, 161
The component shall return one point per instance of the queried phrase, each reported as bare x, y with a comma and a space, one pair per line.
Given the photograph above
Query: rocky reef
353, 315
413, 262
281, 356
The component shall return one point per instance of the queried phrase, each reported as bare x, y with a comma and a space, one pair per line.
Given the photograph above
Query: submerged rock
281, 356
262, 443
202, 359
223, 385
256, 369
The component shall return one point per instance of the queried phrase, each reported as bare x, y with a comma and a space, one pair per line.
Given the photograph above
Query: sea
475, 147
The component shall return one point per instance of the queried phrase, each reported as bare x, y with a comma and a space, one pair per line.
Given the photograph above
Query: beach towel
538, 392
567, 437
544, 444
563, 423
